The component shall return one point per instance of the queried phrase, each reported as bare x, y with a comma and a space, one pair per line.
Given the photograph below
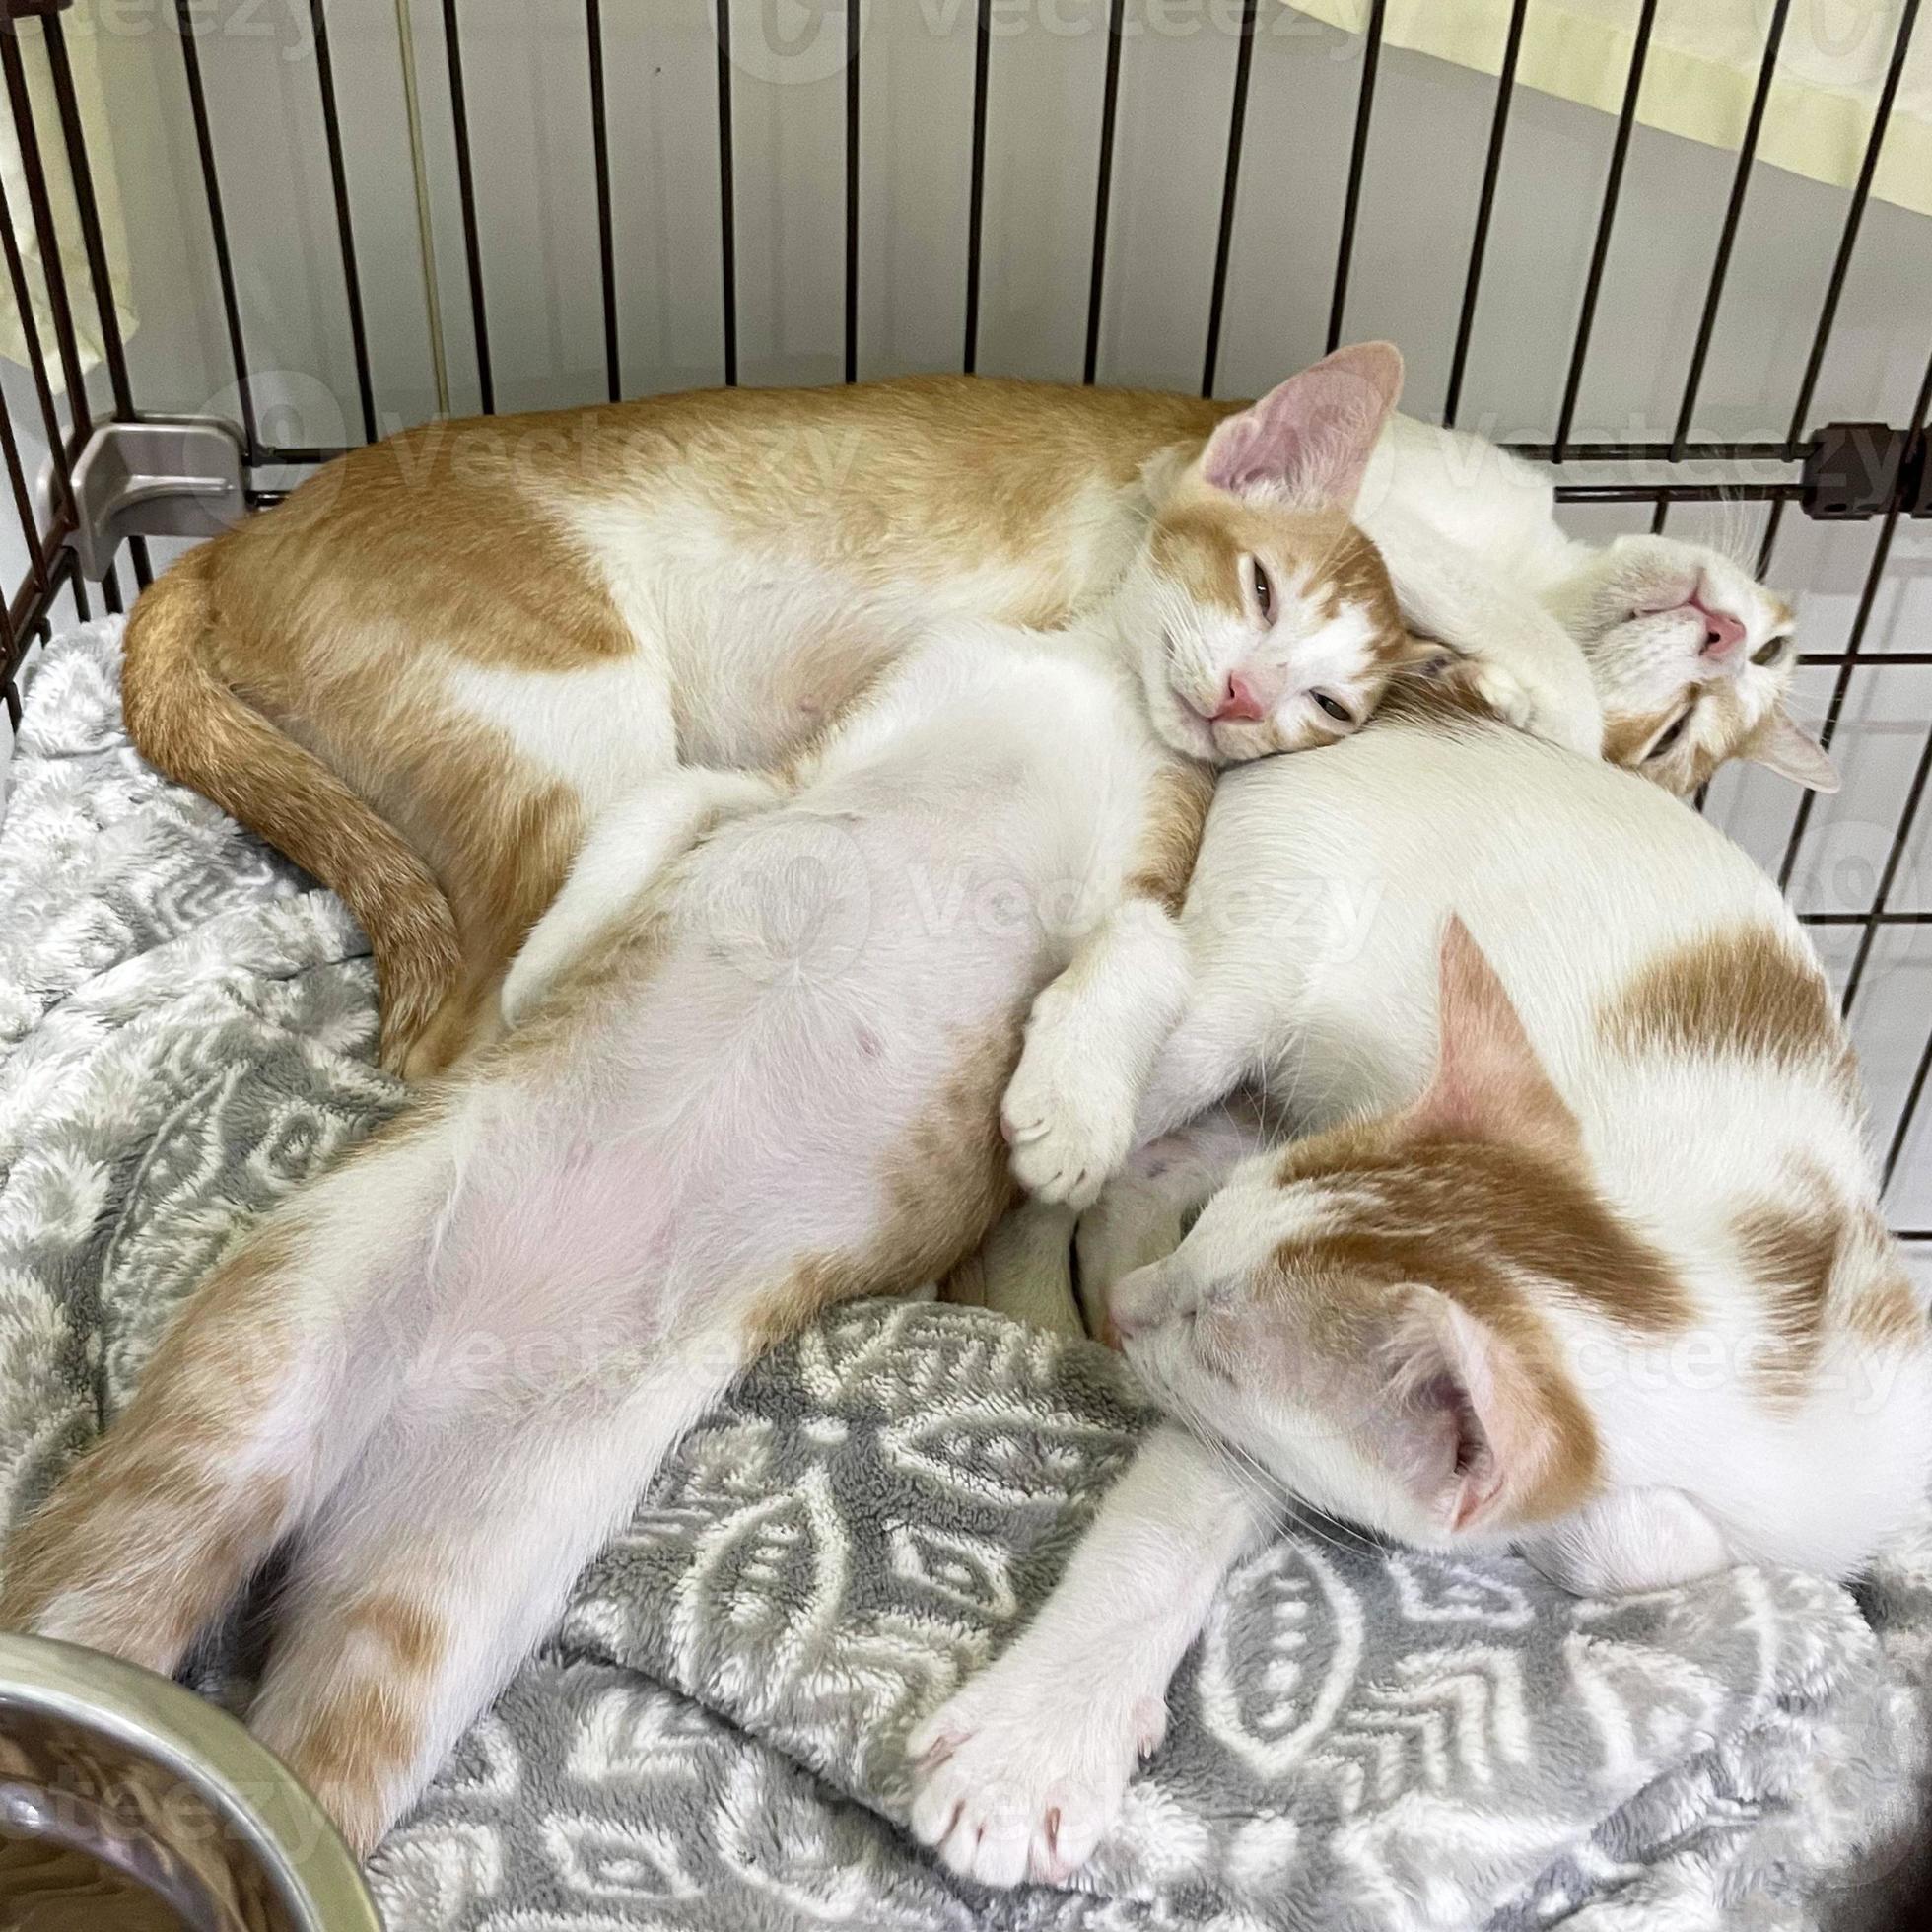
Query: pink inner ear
1488, 1430
1310, 439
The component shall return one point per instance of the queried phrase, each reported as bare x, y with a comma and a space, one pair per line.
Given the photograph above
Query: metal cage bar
204, 141
1110, 101
1861, 193
1605, 223
50, 571
969, 360
345, 228
452, 47
1727, 236
727, 211
1352, 201
853, 20
1237, 123
601, 164
1485, 208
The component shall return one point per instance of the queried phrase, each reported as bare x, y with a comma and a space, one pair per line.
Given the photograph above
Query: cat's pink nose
1240, 702
1722, 631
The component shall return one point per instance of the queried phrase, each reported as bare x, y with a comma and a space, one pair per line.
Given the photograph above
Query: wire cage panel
324, 220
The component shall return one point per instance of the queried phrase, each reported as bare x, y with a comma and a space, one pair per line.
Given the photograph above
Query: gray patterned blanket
1366, 1737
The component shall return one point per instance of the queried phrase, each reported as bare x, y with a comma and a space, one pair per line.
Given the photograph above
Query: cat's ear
1783, 745
1489, 1083
1428, 658
1309, 442
1477, 1429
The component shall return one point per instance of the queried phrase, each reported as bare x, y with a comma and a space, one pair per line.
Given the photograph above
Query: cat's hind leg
1024, 1268
257, 1398
444, 1558
629, 845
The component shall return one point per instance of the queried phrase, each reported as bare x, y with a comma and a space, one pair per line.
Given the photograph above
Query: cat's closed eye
1335, 708
1668, 736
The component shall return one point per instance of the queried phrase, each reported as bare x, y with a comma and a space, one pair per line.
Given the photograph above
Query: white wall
528, 89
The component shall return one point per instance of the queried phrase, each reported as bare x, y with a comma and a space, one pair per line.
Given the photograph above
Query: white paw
1009, 1786
1068, 1131
1572, 718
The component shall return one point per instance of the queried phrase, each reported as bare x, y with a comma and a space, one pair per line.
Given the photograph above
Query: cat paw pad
1006, 1790
1068, 1137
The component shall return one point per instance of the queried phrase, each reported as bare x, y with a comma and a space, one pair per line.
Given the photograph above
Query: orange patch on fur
1170, 834
1745, 992
364, 1739
1200, 537
946, 1188
1790, 1250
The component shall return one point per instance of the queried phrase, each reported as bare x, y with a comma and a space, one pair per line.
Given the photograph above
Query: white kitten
1583, 1251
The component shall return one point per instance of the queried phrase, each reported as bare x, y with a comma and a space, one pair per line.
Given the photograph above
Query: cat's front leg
627, 847
1515, 655
1021, 1773
1091, 1041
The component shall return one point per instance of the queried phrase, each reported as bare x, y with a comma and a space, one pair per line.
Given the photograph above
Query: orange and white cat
762, 1075
427, 673
1581, 1249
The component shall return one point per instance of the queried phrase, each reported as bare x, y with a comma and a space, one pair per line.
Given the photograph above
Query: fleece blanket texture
1366, 1737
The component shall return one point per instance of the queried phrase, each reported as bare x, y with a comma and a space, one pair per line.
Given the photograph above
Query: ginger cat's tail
186, 720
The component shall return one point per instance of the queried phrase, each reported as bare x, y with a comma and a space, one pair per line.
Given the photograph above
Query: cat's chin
1182, 727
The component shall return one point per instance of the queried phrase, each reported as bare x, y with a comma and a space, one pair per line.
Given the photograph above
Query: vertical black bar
1352, 202
1907, 1114
37, 362
854, 19
976, 204
1921, 428
217, 222
1660, 516
52, 270
600, 155
1727, 237
1485, 208
1771, 524
466, 193
82, 174
29, 525
1612, 188
1901, 842
344, 227
1104, 188
727, 220
1841, 684
1237, 121
1848, 241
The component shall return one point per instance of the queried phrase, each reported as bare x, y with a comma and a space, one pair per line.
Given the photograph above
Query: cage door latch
161, 476
1852, 470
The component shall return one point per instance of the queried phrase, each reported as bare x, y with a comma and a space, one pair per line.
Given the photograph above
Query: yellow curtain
1701, 70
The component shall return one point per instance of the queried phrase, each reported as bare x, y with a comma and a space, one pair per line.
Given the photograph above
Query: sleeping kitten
429, 672
754, 1074
1610, 1282
425, 674
1689, 657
